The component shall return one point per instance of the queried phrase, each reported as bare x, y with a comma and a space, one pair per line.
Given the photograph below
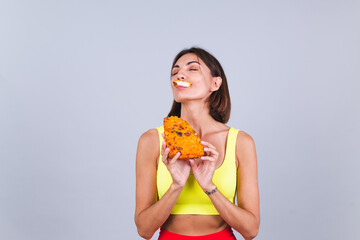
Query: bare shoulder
245, 147
244, 139
149, 136
148, 144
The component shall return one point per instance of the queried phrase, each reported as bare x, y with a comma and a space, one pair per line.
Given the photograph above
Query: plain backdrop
80, 81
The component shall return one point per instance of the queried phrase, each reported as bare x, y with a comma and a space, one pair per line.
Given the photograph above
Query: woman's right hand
178, 168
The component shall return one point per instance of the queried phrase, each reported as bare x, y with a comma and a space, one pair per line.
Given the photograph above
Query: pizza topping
181, 83
182, 138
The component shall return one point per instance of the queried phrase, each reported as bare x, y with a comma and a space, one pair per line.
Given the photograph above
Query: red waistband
226, 234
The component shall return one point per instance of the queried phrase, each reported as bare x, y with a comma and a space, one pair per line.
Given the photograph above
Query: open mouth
181, 83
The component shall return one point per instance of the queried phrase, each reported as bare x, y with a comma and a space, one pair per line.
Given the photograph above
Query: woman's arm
149, 213
244, 218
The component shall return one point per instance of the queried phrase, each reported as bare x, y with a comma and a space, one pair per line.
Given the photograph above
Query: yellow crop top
192, 199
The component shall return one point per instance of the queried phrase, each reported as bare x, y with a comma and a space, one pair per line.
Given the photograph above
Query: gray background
80, 81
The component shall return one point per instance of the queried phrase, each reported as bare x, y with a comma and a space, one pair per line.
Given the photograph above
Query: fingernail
202, 142
205, 149
202, 157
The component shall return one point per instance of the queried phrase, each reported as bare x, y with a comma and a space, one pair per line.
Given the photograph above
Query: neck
196, 113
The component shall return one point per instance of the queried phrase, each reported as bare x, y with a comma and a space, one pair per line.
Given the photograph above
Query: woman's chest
219, 143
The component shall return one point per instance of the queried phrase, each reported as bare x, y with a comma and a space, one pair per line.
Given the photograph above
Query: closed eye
193, 67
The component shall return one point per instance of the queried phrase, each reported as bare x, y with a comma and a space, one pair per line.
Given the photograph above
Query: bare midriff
194, 225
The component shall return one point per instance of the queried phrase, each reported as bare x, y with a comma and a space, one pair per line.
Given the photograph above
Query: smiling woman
195, 198
219, 101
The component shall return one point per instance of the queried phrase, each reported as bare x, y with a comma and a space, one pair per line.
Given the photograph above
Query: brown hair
219, 101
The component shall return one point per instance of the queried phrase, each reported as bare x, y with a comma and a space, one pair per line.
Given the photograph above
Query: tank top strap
160, 131
230, 156
231, 144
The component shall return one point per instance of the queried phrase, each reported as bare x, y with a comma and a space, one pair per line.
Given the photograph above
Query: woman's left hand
204, 171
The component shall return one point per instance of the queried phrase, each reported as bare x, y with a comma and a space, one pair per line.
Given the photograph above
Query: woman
196, 197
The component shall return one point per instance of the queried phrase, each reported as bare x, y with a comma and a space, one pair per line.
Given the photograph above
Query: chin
186, 99
180, 100
181, 97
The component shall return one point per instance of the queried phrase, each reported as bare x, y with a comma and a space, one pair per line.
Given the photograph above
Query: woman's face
190, 68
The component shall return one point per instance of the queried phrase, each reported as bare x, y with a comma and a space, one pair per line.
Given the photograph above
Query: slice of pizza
181, 137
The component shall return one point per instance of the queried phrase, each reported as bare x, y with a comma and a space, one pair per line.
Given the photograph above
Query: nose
181, 75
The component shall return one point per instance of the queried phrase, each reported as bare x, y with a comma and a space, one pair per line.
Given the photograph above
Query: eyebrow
176, 66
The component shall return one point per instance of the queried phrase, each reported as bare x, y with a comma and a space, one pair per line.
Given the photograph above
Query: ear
216, 83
